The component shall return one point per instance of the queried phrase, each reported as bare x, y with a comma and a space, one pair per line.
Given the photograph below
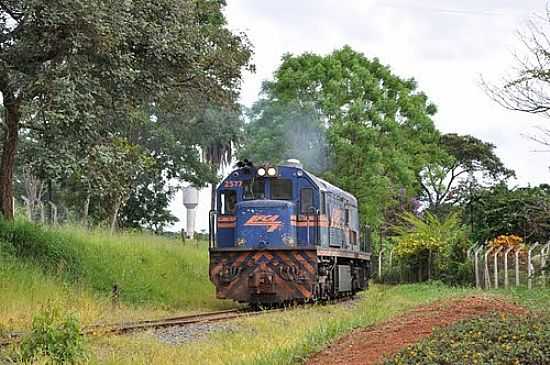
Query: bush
432, 248
54, 337
497, 339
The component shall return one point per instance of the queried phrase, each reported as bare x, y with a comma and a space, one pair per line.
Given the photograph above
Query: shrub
434, 248
497, 339
54, 337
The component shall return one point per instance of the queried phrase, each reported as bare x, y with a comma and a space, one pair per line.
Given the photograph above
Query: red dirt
371, 345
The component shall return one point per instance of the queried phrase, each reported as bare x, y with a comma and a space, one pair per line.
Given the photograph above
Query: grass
278, 338
76, 269
534, 299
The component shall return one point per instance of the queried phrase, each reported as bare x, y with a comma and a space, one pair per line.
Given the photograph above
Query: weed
54, 337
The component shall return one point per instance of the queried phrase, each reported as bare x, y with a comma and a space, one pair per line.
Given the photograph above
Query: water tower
190, 201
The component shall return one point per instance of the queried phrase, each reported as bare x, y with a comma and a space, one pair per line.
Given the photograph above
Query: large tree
380, 131
460, 160
92, 61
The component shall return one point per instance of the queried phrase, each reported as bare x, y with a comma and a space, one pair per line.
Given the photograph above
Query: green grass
77, 268
535, 299
278, 338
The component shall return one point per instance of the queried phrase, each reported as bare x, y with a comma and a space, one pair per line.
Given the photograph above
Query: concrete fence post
42, 213
495, 259
506, 279
543, 261
517, 265
476, 266
487, 275
530, 267
28, 206
54, 212
380, 254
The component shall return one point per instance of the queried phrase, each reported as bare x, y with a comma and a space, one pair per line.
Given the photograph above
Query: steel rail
142, 325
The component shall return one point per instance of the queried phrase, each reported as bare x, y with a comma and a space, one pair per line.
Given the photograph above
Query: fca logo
272, 222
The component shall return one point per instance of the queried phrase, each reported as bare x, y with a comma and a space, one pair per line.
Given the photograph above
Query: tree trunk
7, 164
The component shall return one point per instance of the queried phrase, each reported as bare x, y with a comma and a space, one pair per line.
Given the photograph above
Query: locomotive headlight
261, 171
272, 171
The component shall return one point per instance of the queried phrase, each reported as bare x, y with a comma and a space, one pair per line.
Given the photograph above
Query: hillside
76, 270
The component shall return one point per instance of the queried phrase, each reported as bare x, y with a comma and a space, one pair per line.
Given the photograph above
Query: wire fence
486, 267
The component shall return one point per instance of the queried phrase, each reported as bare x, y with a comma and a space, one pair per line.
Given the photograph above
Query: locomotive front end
265, 266
257, 258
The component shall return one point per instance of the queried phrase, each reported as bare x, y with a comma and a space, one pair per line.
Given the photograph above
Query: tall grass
79, 268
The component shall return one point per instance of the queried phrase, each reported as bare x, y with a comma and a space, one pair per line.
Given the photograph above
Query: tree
499, 210
527, 89
380, 131
277, 131
459, 159
93, 61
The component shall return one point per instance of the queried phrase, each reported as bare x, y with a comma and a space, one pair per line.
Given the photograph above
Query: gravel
182, 334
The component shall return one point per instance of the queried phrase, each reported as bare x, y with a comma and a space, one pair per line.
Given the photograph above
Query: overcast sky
446, 45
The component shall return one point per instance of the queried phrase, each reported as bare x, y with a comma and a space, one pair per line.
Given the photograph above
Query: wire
451, 11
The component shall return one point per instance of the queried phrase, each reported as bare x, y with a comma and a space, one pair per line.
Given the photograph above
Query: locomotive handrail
212, 228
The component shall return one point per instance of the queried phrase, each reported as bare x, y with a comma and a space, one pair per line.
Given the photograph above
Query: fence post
544, 255
476, 266
530, 268
54, 213
517, 265
495, 258
42, 213
28, 206
506, 280
487, 274
380, 263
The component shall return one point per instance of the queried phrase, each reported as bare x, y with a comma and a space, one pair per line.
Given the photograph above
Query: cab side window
228, 201
306, 200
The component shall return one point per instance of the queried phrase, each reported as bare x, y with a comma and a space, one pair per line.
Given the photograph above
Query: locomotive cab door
307, 215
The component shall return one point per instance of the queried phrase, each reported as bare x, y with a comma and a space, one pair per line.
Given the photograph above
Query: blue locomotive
280, 234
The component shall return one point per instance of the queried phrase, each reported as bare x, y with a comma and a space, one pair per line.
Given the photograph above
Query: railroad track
125, 327
142, 325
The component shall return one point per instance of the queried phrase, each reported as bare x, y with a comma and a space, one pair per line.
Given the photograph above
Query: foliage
380, 133
69, 79
459, 160
499, 210
55, 337
506, 241
277, 131
428, 233
498, 339
433, 244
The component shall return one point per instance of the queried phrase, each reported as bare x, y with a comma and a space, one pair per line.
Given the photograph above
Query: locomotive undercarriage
281, 276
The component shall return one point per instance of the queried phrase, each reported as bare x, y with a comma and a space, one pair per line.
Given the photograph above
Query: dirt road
371, 345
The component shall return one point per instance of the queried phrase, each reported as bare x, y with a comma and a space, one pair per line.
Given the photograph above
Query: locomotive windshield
281, 189
254, 189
